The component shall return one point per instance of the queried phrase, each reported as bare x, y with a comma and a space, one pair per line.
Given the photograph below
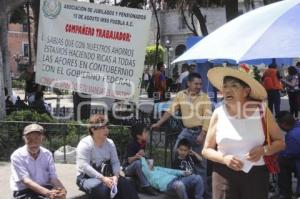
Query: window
25, 49
182, 24
24, 27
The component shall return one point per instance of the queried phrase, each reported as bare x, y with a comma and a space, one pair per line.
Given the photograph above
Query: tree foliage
150, 54
132, 3
256, 73
18, 15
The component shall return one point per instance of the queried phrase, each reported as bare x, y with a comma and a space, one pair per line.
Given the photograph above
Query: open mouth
228, 97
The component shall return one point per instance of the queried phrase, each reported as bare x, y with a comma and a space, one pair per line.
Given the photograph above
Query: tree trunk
247, 4
2, 94
157, 32
202, 21
5, 56
35, 6
231, 7
6, 7
191, 27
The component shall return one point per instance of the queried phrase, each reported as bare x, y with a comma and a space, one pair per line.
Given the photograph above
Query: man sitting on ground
33, 170
289, 159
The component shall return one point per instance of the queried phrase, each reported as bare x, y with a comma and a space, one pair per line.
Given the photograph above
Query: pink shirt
41, 170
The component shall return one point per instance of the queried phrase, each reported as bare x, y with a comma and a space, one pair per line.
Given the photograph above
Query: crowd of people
33, 100
159, 86
219, 153
275, 84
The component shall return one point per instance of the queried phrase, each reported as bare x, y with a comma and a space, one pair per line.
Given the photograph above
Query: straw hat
217, 74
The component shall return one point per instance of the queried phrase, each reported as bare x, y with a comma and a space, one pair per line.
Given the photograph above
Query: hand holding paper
247, 164
255, 154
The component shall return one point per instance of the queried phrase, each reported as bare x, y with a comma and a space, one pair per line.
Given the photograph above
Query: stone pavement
66, 173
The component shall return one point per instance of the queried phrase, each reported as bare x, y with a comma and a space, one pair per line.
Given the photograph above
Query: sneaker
149, 191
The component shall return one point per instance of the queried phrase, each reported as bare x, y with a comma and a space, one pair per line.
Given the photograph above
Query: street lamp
168, 47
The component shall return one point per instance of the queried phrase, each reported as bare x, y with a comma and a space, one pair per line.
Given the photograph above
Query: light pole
168, 46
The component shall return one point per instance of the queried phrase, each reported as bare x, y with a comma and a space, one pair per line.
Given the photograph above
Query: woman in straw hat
235, 138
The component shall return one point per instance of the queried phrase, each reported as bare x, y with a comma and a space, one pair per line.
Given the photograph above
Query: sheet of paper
113, 191
247, 164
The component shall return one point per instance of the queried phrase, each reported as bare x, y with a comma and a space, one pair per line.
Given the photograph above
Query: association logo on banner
51, 8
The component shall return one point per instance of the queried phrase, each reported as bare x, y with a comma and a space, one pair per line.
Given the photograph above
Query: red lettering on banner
98, 32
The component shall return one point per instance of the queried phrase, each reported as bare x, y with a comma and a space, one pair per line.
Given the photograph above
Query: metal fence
56, 135
160, 144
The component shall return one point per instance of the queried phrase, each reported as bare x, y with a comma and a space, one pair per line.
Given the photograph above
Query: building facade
18, 47
174, 31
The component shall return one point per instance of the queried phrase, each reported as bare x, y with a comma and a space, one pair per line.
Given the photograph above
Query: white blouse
238, 136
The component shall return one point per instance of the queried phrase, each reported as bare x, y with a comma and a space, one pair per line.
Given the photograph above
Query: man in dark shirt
160, 84
39, 104
136, 150
289, 159
9, 105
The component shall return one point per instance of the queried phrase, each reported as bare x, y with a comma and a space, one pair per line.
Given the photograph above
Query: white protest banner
92, 48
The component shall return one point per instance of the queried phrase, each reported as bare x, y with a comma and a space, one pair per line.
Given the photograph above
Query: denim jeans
200, 169
135, 170
95, 189
187, 187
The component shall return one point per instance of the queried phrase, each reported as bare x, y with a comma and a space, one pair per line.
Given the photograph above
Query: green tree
132, 3
151, 53
18, 15
256, 73
11, 131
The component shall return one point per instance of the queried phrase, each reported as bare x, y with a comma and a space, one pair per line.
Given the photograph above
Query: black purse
104, 168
